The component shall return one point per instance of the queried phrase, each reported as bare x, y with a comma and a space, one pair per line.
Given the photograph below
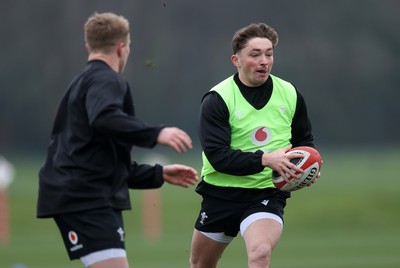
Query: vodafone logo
261, 136
73, 237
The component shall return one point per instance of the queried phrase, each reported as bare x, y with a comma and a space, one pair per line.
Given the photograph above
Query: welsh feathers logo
261, 136
73, 237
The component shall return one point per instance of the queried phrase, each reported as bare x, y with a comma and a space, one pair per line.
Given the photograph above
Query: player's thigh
205, 252
262, 233
120, 262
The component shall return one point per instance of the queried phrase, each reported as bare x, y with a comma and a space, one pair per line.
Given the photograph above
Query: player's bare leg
120, 262
205, 252
261, 238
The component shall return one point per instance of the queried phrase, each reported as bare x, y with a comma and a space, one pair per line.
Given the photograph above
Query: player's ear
235, 60
87, 47
120, 48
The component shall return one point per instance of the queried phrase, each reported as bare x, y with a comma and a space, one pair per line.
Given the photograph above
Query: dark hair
243, 35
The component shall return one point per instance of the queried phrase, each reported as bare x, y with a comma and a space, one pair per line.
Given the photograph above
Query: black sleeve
145, 176
105, 102
301, 125
215, 138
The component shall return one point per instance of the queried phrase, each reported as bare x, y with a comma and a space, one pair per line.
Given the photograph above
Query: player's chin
260, 78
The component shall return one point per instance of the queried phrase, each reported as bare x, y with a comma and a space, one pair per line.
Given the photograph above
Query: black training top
88, 162
214, 134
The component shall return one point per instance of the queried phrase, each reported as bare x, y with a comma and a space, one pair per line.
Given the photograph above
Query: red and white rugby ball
310, 163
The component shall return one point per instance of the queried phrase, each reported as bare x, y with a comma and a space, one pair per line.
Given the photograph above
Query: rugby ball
310, 163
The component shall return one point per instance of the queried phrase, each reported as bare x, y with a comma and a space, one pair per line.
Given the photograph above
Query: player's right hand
175, 138
280, 162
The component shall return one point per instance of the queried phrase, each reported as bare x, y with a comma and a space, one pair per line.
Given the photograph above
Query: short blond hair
104, 30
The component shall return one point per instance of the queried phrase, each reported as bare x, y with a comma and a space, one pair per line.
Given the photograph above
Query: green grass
349, 219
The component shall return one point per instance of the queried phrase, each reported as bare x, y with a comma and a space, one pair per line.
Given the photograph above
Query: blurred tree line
342, 55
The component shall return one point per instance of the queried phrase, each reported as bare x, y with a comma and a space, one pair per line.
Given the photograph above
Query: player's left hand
180, 175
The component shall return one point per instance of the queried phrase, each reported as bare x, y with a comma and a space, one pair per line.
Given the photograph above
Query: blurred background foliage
342, 55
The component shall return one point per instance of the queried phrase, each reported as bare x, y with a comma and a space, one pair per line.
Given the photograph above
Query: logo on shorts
265, 202
121, 233
203, 217
73, 237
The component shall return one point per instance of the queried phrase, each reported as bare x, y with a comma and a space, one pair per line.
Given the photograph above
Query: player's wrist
265, 160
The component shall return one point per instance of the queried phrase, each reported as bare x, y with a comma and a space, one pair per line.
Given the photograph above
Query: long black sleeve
88, 163
301, 125
215, 138
144, 176
112, 113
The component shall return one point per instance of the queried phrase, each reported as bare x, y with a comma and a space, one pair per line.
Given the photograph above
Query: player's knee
193, 262
259, 254
199, 263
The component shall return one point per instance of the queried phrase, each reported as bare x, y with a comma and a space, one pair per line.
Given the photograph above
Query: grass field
349, 219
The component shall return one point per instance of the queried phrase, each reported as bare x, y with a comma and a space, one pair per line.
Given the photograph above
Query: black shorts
89, 231
220, 215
